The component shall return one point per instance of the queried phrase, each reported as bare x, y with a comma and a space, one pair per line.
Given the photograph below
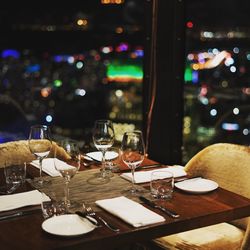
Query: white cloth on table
48, 166
145, 176
13, 201
130, 211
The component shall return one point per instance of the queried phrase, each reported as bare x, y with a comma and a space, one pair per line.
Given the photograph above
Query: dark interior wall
164, 67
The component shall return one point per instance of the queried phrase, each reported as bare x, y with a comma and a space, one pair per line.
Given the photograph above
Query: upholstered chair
16, 151
228, 165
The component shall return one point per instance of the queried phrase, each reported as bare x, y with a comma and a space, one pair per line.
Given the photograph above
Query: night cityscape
89, 65
77, 75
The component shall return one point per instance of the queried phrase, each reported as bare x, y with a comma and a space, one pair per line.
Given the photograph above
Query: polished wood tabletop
196, 210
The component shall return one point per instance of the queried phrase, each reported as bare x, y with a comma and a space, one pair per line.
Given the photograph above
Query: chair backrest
228, 165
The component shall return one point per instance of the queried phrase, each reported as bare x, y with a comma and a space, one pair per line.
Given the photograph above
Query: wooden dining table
196, 210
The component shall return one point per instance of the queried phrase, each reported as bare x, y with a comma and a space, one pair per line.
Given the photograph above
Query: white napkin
49, 166
145, 176
13, 201
130, 211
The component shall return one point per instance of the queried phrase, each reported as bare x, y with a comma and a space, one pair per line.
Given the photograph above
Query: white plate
197, 186
98, 155
67, 225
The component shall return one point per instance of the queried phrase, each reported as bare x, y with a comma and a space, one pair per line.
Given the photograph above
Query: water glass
113, 160
52, 208
162, 184
15, 173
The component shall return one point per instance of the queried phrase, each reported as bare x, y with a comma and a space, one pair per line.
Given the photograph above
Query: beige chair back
228, 165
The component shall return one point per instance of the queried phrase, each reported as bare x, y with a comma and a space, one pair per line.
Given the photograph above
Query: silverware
89, 218
88, 160
12, 189
18, 214
85, 156
188, 179
151, 166
90, 211
154, 205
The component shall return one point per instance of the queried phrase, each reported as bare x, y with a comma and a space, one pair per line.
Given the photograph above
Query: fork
91, 212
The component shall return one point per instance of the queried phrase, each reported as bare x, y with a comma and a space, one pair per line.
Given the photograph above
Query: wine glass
132, 154
67, 163
103, 138
40, 144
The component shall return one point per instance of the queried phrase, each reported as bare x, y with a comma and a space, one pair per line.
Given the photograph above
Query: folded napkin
13, 201
130, 211
145, 176
48, 166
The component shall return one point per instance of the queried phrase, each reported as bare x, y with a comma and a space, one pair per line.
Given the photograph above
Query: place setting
69, 212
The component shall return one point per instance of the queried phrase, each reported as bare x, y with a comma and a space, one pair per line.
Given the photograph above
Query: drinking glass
132, 154
67, 163
103, 138
40, 144
112, 160
162, 184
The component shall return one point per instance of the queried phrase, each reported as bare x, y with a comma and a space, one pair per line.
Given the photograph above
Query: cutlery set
154, 205
92, 217
90, 212
20, 213
11, 189
88, 217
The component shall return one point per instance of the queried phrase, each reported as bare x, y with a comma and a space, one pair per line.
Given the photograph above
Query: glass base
134, 191
39, 182
99, 179
72, 206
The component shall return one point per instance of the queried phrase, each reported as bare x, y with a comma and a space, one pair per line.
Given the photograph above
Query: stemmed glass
132, 154
67, 163
40, 144
103, 138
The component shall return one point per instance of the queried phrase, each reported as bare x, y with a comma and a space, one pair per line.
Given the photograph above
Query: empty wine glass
40, 144
103, 138
132, 154
67, 163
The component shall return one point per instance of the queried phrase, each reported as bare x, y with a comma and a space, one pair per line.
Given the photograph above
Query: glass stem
40, 170
103, 172
133, 178
66, 191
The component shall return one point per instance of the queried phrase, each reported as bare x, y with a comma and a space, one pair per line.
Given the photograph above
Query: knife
18, 214
187, 179
153, 205
151, 166
89, 218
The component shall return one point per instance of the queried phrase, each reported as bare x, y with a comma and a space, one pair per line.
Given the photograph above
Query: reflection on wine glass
67, 162
103, 138
40, 145
132, 154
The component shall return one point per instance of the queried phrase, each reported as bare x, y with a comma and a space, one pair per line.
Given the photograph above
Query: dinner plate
98, 155
197, 186
67, 225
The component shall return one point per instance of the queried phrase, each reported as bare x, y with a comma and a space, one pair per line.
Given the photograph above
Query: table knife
154, 205
18, 214
89, 218
151, 166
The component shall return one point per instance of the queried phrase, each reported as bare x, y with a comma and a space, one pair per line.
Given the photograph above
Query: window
217, 80
68, 66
